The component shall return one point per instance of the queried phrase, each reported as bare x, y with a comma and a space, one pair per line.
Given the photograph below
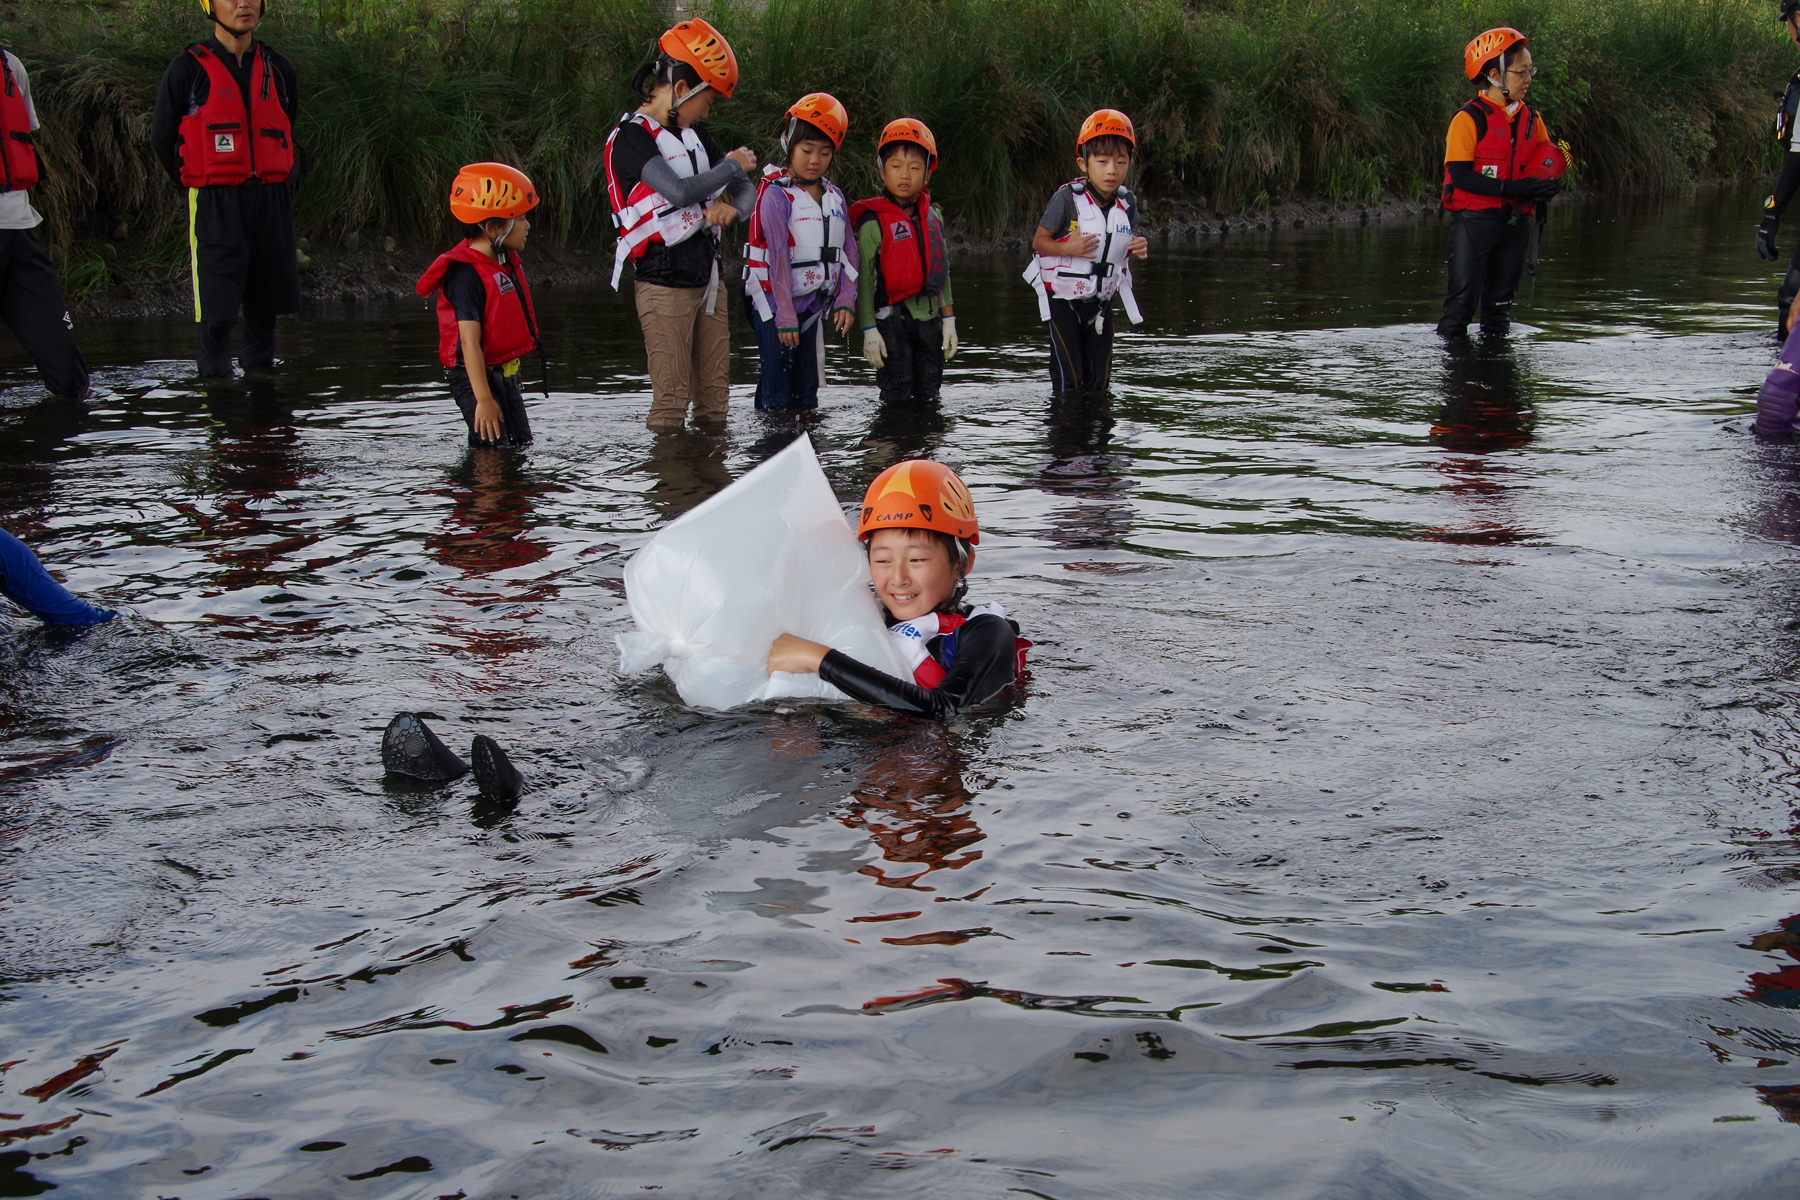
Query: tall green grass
1237, 102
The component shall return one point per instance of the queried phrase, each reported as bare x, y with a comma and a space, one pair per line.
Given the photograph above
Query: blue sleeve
24, 581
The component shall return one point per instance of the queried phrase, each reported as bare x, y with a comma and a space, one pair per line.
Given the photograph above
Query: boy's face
1105, 172
810, 160
911, 571
905, 175
514, 240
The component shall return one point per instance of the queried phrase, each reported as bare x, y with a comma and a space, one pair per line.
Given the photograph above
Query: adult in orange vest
31, 299
1493, 186
224, 130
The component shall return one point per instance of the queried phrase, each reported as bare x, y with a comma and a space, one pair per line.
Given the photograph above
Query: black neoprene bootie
499, 781
409, 748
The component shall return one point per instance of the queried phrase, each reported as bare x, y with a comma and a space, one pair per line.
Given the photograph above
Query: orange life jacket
912, 249
508, 321
18, 157
1505, 149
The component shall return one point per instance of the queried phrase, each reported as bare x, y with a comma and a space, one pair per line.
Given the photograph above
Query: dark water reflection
1402, 803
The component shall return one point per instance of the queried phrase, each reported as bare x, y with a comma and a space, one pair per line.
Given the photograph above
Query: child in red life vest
799, 264
903, 290
918, 525
1500, 169
1081, 254
486, 323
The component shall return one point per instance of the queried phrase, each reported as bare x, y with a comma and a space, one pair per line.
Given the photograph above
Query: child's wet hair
664, 70
1106, 143
889, 149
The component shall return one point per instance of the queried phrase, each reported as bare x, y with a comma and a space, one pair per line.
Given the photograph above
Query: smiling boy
1082, 249
903, 293
918, 525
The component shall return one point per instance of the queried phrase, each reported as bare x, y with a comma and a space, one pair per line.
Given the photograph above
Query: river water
1402, 803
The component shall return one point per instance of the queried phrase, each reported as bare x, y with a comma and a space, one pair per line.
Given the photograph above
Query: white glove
874, 349
949, 338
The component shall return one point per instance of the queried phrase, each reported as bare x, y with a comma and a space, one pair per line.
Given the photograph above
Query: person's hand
796, 655
788, 337
949, 338
843, 318
1765, 236
743, 158
721, 212
1083, 245
874, 349
1140, 247
487, 419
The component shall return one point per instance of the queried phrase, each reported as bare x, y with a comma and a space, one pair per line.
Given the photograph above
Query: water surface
1401, 804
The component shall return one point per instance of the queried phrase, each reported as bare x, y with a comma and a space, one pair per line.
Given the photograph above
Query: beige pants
689, 352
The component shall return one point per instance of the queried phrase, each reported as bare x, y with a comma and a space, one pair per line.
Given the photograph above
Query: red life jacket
223, 145
18, 157
930, 673
508, 321
912, 259
1505, 148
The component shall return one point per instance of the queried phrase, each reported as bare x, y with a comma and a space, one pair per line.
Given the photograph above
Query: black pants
241, 258
1790, 287
1080, 355
515, 426
1486, 257
31, 304
914, 368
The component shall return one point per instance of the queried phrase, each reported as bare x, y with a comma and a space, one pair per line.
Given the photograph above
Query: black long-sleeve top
983, 661
186, 85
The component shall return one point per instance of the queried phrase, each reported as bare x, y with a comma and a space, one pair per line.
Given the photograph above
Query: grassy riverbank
1238, 103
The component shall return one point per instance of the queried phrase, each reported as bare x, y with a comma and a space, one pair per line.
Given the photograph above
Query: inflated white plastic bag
770, 554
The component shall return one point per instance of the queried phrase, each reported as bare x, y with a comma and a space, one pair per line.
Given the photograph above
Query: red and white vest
815, 233
641, 215
1506, 147
508, 321
221, 144
1069, 277
912, 639
18, 157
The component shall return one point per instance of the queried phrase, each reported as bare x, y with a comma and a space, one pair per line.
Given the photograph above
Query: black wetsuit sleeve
172, 96
986, 653
1788, 183
1464, 177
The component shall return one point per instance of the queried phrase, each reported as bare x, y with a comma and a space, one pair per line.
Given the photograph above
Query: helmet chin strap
675, 101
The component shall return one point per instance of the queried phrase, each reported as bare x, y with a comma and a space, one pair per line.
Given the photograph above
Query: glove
1765, 235
1531, 191
874, 349
949, 338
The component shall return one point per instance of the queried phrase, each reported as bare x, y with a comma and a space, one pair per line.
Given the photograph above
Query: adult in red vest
1492, 183
224, 130
31, 299
486, 322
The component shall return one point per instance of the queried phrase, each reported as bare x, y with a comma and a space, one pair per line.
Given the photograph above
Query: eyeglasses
1527, 72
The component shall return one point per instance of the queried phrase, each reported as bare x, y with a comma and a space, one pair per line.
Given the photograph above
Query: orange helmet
1486, 45
491, 191
919, 494
1108, 122
822, 111
908, 130
705, 49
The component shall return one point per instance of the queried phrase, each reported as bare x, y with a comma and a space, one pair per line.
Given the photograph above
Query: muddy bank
338, 274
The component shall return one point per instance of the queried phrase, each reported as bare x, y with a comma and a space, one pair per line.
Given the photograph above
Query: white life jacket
643, 216
911, 637
1067, 277
816, 233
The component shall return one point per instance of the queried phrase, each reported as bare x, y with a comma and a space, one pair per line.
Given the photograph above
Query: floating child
1082, 249
672, 190
918, 527
486, 323
799, 264
903, 291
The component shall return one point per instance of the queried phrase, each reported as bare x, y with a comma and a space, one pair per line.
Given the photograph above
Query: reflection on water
1486, 411
1411, 747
